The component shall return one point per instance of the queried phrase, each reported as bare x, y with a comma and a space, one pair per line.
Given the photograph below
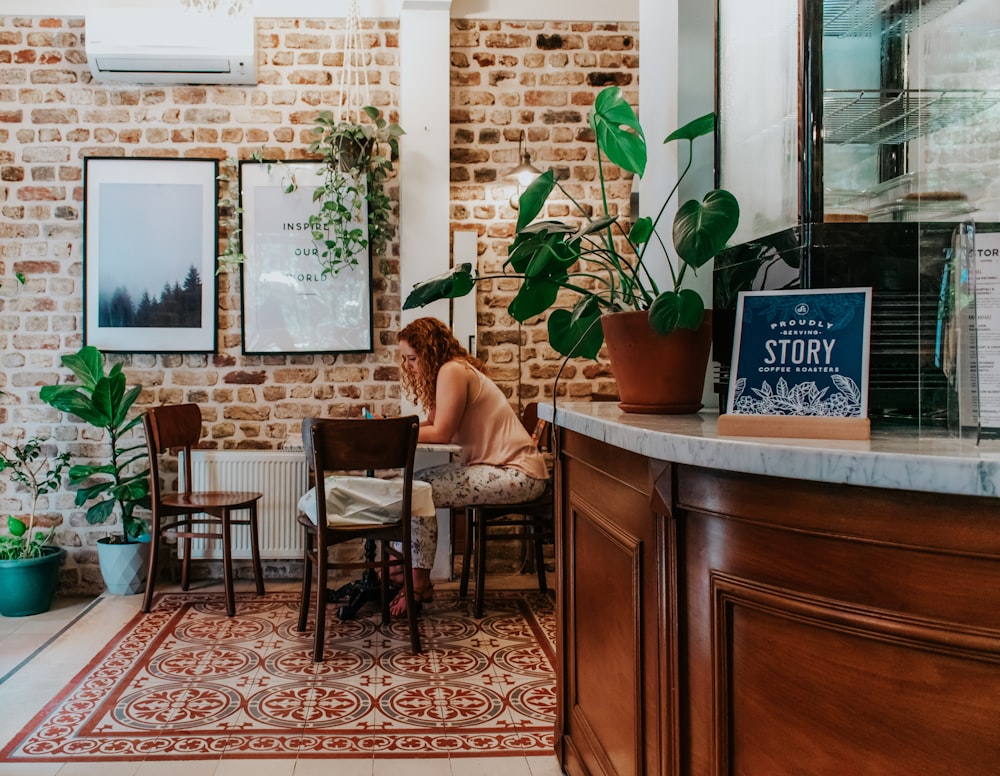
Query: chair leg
186, 562
258, 571
480, 522
152, 569
463, 587
411, 605
227, 562
385, 563
537, 535
307, 573
319, 631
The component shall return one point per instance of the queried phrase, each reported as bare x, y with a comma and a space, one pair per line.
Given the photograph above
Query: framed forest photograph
150, 241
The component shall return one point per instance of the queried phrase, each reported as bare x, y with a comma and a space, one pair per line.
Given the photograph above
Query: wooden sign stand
800, 365
794, 427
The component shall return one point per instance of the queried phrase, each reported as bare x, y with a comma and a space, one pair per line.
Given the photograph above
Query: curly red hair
435, 346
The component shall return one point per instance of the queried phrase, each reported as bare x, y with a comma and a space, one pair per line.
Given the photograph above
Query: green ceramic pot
27, 586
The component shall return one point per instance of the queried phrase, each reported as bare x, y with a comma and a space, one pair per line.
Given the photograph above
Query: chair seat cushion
353, 500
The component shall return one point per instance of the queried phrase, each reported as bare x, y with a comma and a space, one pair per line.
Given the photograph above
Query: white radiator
280, 475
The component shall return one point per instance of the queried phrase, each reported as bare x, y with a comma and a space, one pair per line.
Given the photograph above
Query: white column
424, 114
425, 45
668, 98
658, 45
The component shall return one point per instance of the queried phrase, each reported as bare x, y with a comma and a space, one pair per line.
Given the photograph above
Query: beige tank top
491, 433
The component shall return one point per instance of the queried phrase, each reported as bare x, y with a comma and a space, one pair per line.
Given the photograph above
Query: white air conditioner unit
170, 46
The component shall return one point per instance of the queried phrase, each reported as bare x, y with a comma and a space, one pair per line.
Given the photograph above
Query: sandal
397, 607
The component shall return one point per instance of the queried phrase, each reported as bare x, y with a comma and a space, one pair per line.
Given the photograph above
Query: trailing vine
358, 159
230, 217
358, 148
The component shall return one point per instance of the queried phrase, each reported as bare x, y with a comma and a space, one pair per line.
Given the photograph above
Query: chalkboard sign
801, 354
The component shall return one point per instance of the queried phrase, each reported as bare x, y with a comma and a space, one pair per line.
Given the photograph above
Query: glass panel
910, 109
758, 112
955, 163
901, 136
852, 57
957, 350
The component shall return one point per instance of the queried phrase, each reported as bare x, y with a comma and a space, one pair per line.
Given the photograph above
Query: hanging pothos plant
358, 159
230, 217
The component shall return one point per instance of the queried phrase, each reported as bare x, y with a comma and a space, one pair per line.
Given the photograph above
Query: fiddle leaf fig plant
104, 401
599, 260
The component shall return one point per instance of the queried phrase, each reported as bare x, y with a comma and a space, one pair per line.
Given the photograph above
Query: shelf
867, 18
897, 116
924, 210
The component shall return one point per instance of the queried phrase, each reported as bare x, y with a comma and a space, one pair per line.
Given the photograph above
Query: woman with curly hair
499, 462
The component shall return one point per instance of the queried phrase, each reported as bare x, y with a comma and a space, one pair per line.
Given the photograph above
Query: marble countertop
901, 459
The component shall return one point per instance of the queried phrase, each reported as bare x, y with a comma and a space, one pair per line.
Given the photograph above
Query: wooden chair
193, 514
535, 515
345, 446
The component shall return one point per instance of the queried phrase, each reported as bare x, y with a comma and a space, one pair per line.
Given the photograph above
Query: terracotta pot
657, 374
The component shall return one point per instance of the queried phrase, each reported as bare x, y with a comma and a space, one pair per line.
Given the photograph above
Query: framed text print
150, 242
289, 304
801, 355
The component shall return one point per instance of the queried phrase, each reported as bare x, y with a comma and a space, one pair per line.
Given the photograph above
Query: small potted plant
603, 264
29, 562
358, 159
120, 485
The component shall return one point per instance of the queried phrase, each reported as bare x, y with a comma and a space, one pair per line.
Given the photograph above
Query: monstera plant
598, 258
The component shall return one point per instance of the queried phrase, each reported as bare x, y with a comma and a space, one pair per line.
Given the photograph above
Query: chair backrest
351, 445
171, 427
539, 429
334, 445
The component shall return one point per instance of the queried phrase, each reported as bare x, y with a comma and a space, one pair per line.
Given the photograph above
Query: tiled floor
35, 665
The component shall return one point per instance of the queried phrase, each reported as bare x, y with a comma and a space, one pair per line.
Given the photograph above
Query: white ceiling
569, 10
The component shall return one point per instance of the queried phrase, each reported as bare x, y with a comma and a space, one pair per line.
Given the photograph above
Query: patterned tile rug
187, 682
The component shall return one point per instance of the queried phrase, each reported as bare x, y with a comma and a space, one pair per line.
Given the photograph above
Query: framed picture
150, 241
289, 305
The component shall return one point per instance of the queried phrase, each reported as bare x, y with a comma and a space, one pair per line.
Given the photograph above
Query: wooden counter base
721, 623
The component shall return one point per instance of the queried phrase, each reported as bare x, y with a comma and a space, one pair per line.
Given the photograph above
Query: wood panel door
833, 630
615, 662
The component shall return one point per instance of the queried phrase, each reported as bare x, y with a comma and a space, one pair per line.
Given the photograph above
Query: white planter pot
124, 566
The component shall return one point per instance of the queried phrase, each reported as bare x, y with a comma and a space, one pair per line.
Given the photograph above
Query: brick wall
507, 76
540, 78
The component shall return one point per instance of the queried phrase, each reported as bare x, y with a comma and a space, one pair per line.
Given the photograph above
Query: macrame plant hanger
354, 91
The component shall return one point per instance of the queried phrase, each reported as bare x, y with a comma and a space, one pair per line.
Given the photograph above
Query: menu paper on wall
980, 397
801, 354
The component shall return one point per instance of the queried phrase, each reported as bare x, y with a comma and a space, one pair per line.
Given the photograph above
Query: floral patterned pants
458, 485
